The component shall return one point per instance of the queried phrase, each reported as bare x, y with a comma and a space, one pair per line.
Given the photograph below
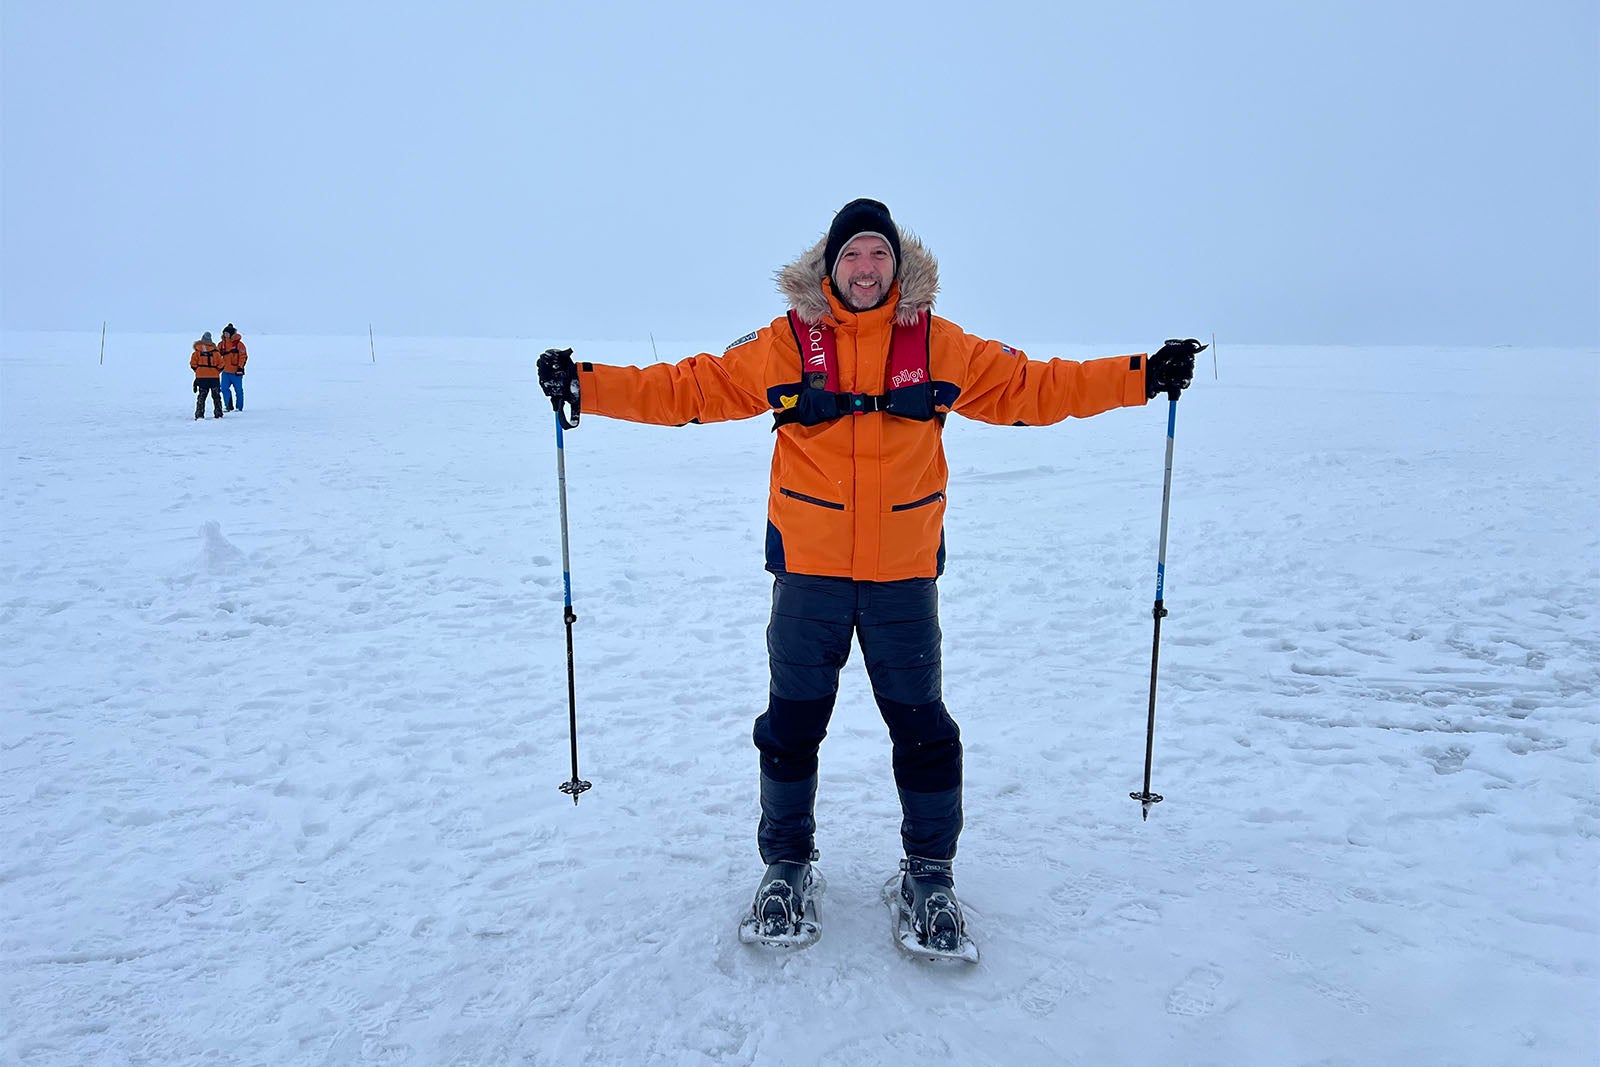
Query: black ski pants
808, 642
208, 387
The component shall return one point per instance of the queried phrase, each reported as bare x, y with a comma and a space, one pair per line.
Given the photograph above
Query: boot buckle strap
917, 866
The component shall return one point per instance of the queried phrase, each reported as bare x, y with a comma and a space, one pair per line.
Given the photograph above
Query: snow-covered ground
284, 707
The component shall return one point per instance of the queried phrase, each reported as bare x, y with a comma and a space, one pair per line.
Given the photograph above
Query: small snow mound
217, 554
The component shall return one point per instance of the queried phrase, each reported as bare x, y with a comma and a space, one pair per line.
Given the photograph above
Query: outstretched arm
701, 388
1003, 386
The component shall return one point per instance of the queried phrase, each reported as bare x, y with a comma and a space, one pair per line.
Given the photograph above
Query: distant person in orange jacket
859, 376
207, 365
234, 356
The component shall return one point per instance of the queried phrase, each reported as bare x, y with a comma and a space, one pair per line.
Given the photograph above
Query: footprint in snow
1196, 995
1448, 760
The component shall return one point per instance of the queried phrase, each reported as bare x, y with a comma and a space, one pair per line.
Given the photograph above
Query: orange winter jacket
233, 354
205, 361
861, 496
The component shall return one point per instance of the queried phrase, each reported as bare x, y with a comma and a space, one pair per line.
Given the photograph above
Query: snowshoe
784, 914
926, 917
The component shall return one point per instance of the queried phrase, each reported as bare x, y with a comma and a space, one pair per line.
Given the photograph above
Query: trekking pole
576, 785
1159, 611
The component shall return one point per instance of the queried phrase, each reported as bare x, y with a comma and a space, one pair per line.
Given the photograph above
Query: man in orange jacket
234, 356
207, 365
859, 376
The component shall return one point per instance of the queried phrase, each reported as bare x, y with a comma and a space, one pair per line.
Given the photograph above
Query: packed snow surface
285, 713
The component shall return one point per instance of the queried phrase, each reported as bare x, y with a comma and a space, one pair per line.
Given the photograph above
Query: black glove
1170, 369
558, 375
197, 385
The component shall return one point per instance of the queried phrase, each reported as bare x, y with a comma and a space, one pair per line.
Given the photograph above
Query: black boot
783, 898
784, 912
928, 889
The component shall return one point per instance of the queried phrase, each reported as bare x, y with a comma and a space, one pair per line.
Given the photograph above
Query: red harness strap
910, 392
908, 354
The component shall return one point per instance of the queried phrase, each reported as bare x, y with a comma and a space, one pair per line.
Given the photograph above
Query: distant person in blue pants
233, 354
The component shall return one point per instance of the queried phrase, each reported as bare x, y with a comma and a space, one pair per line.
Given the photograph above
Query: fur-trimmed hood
918, 277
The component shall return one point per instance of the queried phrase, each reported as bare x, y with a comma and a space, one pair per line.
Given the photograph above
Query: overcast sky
1344, 171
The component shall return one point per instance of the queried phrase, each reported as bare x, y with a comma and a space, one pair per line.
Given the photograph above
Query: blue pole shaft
1166, 502
561, 484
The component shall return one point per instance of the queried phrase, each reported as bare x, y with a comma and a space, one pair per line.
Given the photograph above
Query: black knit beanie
854, 219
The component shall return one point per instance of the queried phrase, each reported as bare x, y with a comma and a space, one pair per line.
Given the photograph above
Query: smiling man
864, 266
859, 377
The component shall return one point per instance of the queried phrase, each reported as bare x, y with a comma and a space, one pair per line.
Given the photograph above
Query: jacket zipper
935, 498
811, 499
